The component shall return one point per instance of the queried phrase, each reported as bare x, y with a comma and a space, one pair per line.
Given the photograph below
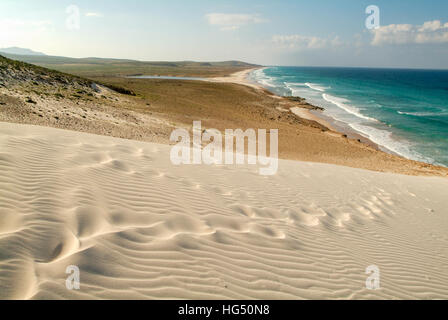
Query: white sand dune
140, 228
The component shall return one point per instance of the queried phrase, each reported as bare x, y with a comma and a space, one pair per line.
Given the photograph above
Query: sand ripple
140, 228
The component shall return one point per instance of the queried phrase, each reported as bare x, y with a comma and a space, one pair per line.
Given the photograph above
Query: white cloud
429, 32
298, 41
94, 14
233, 21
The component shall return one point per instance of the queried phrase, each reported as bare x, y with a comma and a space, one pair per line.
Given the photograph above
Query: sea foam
393, 114
343, 104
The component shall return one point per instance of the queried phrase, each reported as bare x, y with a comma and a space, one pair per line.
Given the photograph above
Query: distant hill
44, 59
104, 67
21, 51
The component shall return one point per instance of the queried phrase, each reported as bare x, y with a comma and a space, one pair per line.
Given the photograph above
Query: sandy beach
160, 106
240, 77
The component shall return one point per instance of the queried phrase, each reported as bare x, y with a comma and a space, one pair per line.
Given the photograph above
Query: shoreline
242, 77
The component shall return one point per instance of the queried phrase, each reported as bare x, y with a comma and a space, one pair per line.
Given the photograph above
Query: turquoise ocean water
403, 111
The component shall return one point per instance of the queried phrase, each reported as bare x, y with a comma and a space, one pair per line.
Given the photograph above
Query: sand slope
139, 227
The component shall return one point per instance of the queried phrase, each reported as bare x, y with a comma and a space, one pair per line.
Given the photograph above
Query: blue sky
413, 33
